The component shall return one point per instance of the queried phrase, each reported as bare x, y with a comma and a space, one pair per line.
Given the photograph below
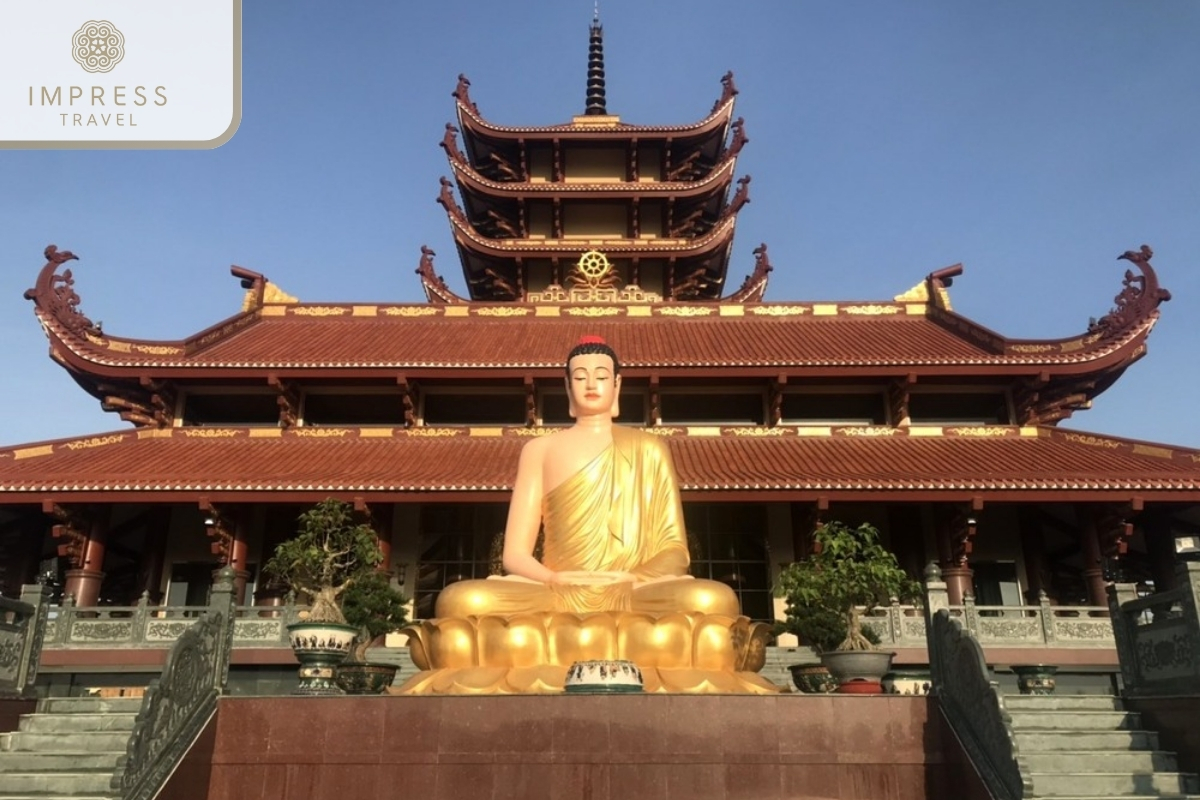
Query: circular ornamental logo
98, 46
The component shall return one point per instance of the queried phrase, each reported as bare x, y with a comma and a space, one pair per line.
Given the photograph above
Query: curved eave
472, 124
87, 352
715, 182
1089, 351
468, 238
879, 338
998, 463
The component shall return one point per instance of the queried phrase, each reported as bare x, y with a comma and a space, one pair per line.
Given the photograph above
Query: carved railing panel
149, 626
1042, 625
22, 631
974, 707
1158, 637
176, 708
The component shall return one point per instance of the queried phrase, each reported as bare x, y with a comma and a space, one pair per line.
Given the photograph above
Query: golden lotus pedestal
685, 653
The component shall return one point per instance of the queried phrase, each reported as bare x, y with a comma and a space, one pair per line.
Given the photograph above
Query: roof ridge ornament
462, 93
729, 90
1139, 298
755, 285
55, 294
435, 287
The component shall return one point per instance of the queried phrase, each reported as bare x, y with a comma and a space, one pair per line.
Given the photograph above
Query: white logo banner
120, 73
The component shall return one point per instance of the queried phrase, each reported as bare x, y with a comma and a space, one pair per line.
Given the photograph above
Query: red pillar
1093, 562
1034, 551
954, 533
154, 554
84, 583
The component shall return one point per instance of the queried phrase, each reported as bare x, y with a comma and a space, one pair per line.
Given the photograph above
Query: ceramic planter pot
1035, 678
320, 647
354, 677
812, 678
858, 671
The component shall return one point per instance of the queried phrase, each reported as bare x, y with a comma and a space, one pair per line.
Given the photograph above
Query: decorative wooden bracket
775, 400
407, 392
72, 532
530, 402
1114, 529
655, 400
218, 528
898, 393
288, 401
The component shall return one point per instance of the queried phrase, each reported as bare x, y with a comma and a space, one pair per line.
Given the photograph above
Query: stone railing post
1123, 633
937, 596
222, 603
1046, 612
141, 614
37, 597
66, 618
1188, 576
970, 614
895, 621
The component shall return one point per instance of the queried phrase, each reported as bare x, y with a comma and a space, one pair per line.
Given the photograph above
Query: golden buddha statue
612, 582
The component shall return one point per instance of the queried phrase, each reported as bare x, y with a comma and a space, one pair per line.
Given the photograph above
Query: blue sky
1031, 141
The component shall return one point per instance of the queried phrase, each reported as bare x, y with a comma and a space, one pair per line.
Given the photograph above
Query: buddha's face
592, 386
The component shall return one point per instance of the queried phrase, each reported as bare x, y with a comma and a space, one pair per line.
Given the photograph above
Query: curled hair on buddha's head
592, 345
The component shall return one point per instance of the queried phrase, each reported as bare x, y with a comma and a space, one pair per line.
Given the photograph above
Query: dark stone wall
627, 747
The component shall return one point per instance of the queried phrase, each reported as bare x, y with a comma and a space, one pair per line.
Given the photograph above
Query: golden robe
620, 513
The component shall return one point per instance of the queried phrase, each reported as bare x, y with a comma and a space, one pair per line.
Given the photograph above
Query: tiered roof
507, 175
840, 463
507, 333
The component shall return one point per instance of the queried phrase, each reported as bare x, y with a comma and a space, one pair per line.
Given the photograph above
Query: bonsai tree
329, 554
849, 573
375, 607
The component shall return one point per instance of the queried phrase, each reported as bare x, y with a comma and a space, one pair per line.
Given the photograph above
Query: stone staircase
67, 749
1085, 747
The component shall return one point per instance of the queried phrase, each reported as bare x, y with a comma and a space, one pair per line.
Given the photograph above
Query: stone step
88, 705
1041, 741
1111, 784
58, 762
1099, 761
57, 783
1074, 720
88, 742
1072, 702
72, 723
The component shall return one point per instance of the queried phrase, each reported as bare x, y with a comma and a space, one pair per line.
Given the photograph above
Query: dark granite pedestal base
595, 747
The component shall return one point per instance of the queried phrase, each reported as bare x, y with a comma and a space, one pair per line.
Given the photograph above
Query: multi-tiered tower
645, 213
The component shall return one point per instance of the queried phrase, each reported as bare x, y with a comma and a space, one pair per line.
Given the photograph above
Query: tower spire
596, 104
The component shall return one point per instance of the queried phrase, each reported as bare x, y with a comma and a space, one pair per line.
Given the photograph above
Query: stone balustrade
1043, 625
1158, 637
22, 631
150, 626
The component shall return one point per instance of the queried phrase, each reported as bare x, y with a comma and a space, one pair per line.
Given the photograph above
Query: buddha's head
593, 379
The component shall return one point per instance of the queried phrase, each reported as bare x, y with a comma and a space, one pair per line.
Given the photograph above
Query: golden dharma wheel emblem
593, 265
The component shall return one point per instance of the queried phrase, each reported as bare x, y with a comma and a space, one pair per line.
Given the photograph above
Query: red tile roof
1004, 461
674, 335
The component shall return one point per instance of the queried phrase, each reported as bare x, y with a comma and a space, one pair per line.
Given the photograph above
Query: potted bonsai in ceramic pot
375, 607
327, 556
822, 630
848, 575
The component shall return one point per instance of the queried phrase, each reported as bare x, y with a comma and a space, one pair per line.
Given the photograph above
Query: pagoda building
897, 411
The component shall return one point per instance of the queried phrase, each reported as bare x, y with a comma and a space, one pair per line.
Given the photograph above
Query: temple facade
779, 413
